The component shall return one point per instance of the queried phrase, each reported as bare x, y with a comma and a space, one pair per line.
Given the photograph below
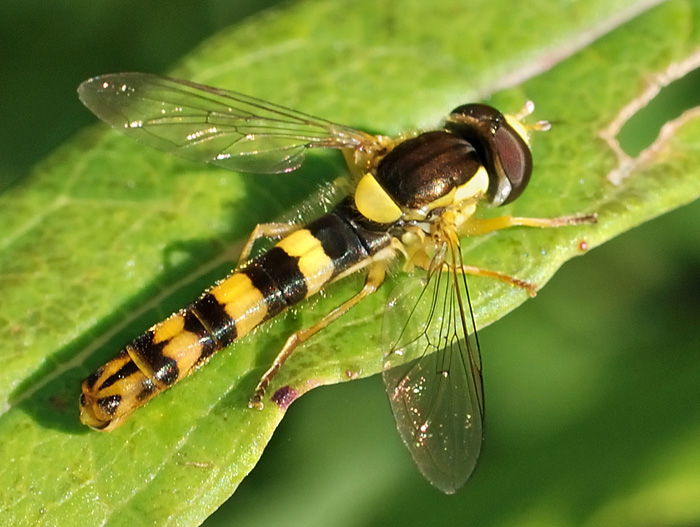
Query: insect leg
423, 261
375, 276
476, 227
265, 230
512, 280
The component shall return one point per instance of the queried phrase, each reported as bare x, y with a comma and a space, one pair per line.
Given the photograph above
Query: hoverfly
413, 198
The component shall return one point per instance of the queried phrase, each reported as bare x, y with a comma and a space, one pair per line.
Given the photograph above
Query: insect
413, 198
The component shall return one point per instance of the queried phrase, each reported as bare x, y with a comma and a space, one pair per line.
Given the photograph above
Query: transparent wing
207, 124
433, 372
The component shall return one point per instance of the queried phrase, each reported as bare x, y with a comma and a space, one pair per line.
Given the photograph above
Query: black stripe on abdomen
339, 240
214, 317
283, 274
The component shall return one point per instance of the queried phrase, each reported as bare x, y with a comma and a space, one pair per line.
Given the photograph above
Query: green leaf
107, 237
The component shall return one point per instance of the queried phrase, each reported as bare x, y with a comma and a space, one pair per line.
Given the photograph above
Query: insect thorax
480, 153
429, 172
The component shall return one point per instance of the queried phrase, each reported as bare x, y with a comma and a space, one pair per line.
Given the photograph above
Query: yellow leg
422, 260
265, 230
476, 227
375, 276
512, 280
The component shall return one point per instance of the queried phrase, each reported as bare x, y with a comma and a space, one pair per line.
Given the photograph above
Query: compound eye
515, 160
481, 116
502, 146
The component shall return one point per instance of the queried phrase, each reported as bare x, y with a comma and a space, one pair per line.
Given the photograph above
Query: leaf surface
108, 237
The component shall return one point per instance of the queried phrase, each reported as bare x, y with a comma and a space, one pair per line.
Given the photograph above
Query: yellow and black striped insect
413, 197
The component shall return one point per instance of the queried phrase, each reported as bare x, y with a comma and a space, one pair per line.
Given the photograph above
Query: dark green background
585, 384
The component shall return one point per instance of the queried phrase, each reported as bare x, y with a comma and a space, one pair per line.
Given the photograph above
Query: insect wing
433, 375
207, 124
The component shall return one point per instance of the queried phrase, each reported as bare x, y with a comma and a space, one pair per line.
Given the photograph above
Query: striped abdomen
294, 269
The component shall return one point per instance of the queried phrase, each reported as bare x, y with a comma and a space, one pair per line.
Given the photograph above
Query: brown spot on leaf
284, 397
